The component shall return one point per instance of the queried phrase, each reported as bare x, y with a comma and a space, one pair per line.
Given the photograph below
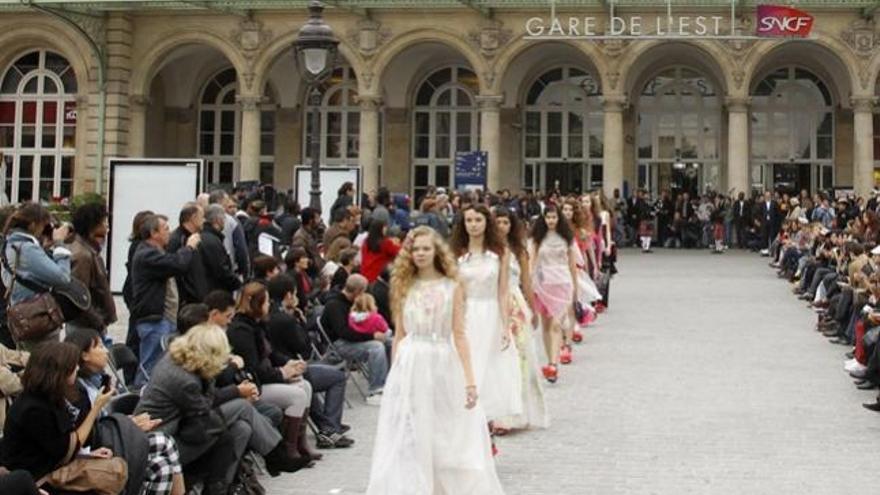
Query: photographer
24, 254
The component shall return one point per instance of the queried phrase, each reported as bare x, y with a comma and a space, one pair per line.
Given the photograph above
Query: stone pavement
705, 377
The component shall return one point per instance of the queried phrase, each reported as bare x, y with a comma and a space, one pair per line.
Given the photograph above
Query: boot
278, 461
303, 440
290, 428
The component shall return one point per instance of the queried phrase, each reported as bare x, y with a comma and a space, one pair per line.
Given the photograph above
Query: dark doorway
791, 178
567, 177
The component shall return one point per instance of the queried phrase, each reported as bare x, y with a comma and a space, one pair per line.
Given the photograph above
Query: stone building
668, 105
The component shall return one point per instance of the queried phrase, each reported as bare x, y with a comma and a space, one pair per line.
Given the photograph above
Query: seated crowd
831, 255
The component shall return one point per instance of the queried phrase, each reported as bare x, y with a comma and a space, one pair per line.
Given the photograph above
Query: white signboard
137, 184
332, 178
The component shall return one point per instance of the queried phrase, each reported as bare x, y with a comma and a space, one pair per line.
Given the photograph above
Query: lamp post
315, 49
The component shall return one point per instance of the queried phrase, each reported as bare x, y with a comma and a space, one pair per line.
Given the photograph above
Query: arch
506, 58
267, 58
840, 73
645, 60
32, 36
154, 59
872, 74
408, 39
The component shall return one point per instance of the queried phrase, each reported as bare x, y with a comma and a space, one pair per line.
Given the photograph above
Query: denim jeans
376, 354
151, 333
330, 381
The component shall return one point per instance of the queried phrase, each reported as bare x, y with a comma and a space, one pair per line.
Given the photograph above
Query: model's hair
403, 273
88, 216
577, 216
516, 237
251, 300
540, 230
460, 238
47, 370
203, 350
364, 303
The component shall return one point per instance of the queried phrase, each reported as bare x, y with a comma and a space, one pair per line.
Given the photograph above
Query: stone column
137, 127
490, 137
249, 158
368, 140
738, 144
612, 170
863, 149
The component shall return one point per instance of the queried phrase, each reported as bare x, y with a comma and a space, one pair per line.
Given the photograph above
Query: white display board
137, 184
332, 179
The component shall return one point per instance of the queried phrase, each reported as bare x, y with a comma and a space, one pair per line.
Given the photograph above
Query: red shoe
494, 450
577, 336
565, 355
600, 308
550, 373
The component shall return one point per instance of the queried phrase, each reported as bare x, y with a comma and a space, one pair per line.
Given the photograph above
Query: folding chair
347, 363
122, 358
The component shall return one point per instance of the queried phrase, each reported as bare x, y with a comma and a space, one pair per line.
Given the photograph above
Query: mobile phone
105, 383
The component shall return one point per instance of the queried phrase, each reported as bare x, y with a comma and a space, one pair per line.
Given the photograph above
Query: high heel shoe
565, 355
550, 372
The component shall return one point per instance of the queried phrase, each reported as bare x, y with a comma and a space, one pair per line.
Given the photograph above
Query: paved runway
704, 377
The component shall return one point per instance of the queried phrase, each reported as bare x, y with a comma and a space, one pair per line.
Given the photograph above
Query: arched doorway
219, 127
562, 138
446, 121
38, 127
678, 138
792, 132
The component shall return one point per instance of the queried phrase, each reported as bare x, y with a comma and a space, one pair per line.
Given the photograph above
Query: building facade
417, 81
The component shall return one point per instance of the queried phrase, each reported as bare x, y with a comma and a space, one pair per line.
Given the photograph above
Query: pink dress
552, 277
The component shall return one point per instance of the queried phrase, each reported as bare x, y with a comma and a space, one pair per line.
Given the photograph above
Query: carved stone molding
614, 103
863, 103
861, 37
368, 36
489, 103
489, 77
489, 38
737, 103
613, 48
613, 77
139, 101
369, 102
250, 36
250, 103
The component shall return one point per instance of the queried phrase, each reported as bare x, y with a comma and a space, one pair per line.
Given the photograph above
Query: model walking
431, 438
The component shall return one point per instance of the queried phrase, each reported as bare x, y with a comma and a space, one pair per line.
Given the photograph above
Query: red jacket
372, 263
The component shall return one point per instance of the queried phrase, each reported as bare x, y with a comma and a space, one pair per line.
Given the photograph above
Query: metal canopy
479, 5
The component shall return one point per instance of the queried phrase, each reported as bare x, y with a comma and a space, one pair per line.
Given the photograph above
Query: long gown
427, 442
496, 366
534, 413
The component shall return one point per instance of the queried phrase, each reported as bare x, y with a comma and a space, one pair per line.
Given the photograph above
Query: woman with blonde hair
211, 440
278, 377
431, 437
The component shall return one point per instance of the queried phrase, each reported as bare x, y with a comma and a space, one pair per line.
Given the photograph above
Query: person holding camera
34, 269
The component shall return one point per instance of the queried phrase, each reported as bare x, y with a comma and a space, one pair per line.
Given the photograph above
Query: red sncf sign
775, 20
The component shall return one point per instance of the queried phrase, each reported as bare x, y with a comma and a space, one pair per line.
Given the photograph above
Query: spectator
298, 263
347, 265
132, 340
265, 268
287, 333
365, 317
221, 308
87, 265
36, 271
217, 265
378, 251
381, 291
18, 483
344, 199
289, 220
212, 430
233, 235
429, 216
338, 236
40, 435
192, 285
278, 377
306, 238
381, 210
155, 290
10, 382
373, 349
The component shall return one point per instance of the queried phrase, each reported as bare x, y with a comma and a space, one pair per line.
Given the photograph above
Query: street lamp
315, 49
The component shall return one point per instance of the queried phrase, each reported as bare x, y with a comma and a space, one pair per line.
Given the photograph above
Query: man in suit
771, 219
742, 215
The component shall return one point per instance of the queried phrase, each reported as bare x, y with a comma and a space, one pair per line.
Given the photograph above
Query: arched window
678, 137
445, 121
340, 121
38, 127
220, 131
792, 131
563, 131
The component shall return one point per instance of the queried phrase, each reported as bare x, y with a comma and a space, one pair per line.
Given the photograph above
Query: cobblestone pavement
705, 377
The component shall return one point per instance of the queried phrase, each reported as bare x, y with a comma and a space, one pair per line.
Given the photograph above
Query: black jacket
192, 285
288, 334
335, 320
248, 340
151, 269
381, 292
215, 262
36, 435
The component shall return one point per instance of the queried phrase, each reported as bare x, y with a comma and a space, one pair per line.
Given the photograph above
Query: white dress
427, 442
496, 367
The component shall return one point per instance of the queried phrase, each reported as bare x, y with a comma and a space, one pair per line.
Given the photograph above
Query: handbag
93, 475
35, 317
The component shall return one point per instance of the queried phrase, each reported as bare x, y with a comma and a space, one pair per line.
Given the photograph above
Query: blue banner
470, 169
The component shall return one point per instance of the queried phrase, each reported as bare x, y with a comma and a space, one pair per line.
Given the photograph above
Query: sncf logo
775, 21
